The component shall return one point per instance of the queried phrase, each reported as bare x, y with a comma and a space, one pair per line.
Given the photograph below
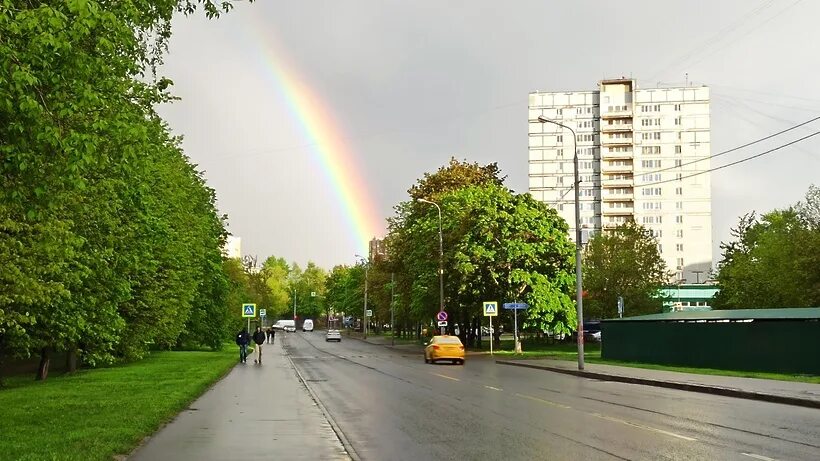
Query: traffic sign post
491, 310
516, 307
442, 320
442, 323
370, 312
248, 311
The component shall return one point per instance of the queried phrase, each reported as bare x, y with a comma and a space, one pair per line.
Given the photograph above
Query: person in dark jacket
242, 340
271, 335
259, 339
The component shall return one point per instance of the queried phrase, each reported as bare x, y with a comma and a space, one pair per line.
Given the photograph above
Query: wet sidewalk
769, 390
257, 412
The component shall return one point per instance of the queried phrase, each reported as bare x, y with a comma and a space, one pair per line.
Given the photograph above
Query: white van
307, 325
286, 325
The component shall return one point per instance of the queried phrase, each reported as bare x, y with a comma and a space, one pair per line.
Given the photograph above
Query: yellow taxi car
444, 347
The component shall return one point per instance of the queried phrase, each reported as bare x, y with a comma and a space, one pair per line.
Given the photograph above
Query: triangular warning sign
248, 310
490, 308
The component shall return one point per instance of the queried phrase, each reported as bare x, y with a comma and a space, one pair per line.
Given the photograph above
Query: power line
736, 148
746, 159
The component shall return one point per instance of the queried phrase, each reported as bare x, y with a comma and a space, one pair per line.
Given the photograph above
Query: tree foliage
109, 236
624, 262
774, 260
497, 245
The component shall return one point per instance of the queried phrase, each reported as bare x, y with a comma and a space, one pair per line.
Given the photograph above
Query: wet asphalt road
389, 404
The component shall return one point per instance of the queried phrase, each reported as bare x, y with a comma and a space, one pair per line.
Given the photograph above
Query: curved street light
365, 320
578, 277
440, 256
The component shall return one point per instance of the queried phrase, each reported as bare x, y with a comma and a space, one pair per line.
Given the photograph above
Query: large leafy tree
109, 227
773, 260
623, 262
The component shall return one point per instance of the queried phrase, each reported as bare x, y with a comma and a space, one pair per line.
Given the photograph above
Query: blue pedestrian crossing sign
490, 308
249, 310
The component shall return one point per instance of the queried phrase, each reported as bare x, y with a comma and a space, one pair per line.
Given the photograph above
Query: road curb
351, 452
715, 390
395, 348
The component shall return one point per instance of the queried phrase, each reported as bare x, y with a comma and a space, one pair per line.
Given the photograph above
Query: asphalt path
389, 404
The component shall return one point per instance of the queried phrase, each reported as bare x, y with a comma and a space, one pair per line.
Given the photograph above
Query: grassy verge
96, 414
592, 354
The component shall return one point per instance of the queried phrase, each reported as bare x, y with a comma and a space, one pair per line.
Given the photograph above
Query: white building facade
642, 156
233, 247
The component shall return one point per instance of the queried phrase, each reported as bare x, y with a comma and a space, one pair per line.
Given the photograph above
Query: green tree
773, 260
623, 262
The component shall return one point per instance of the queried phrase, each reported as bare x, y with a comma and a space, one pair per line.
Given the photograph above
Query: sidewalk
256, 412
786, 392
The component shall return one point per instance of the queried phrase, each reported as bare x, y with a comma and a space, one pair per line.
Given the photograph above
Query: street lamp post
578, 277
294, 303
440, 258
392, 304
364, 317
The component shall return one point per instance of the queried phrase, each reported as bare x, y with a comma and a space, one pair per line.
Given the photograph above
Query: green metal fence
774, 345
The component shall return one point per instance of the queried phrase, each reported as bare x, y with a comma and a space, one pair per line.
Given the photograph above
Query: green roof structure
793, 313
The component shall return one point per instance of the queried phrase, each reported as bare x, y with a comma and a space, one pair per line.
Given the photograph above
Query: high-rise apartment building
642, 156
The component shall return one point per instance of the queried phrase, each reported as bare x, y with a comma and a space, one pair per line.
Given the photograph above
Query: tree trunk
71, 361
42, 370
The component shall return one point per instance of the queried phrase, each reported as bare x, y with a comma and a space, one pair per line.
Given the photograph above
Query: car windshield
447, 340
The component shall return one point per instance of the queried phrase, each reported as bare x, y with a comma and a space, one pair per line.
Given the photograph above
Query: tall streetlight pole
294, 303
578, 278
440, 258
365, 320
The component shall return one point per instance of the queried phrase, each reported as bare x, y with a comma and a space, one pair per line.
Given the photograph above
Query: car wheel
461, 362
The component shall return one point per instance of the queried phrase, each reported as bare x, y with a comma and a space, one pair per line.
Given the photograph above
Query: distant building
688, 297
233, 247
643, 156
377, 249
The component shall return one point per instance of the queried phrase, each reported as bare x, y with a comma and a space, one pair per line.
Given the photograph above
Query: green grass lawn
592, 354
96, 414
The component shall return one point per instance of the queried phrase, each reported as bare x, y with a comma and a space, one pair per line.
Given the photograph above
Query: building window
560, 138
679, 219
678, 247
677, 120
560, 111
678, 162
680, 263
678, 205
677, 107
660, 248
679, 233
656, 135
678, 149
679, 191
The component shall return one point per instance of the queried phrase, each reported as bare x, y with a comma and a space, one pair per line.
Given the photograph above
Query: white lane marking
641, 426
445, 376
524, 396
493, 388
752, 455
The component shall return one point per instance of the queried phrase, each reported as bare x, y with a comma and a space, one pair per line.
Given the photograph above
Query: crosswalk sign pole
491, 335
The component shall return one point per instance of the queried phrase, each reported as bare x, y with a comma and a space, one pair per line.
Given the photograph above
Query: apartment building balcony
605, 127
616, 112
607, 167
612, 225
609, 141
616, 197
608, 183
622, 211
617, 154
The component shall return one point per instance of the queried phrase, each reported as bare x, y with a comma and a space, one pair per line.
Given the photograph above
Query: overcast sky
411, 84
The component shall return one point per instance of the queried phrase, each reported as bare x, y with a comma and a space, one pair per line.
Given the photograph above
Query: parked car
333, 335
444, 347
592, 331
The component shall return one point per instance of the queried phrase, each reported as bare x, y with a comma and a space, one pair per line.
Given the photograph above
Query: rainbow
338, 162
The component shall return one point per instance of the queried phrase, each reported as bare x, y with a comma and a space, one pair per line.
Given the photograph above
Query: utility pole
392, 304
579, 283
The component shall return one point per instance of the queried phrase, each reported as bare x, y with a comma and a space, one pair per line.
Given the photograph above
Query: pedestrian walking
242, 340
259, 339
271, 335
